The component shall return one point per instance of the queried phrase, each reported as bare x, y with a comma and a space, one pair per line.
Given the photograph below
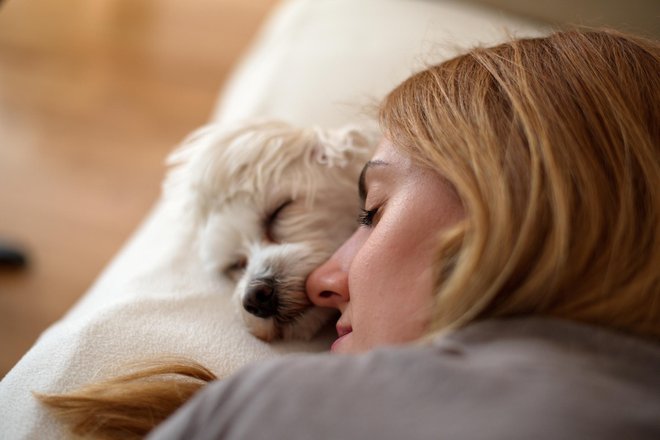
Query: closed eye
235, 269
366, 217
271, 220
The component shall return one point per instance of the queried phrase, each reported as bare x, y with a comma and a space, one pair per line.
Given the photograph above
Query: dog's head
272, 203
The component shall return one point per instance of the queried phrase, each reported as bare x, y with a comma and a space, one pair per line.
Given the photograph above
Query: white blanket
316, 62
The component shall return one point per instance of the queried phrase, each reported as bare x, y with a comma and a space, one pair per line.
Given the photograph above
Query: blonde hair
129, 406
552, 144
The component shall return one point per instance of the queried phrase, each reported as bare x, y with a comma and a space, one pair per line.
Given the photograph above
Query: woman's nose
327, 285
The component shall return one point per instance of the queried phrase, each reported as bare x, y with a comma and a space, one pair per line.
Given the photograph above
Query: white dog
272, 203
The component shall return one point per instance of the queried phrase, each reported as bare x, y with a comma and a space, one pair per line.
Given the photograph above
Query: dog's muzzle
261, 298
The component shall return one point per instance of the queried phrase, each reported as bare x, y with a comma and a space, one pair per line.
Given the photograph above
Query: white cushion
316, 62
326, 61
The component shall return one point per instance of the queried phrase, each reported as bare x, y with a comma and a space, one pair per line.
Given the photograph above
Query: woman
552, 147
511, 225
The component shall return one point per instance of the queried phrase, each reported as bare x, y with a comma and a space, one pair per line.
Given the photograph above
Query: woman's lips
342, 332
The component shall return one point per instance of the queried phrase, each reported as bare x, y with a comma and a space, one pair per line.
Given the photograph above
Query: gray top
529, 378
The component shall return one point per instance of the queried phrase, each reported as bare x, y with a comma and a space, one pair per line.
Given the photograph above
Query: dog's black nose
261, 298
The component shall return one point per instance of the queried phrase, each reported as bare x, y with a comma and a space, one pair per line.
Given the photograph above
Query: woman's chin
343, 344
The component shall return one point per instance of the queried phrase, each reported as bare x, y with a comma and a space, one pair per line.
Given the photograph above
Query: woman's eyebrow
362, 187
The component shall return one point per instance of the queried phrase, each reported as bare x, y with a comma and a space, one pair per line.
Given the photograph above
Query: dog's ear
345, 145
185, 170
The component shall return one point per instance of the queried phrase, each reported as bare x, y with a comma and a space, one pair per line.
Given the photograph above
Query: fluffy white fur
272, 202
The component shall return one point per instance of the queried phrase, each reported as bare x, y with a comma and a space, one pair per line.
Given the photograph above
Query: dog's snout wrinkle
261, 298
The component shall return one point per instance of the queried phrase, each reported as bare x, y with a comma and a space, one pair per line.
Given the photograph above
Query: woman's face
381, 278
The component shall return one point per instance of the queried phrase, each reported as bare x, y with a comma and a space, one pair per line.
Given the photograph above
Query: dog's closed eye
271, 220
235, 270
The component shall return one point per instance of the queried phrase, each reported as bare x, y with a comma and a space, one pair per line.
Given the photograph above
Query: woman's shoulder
551, 343
523, 378
534, 347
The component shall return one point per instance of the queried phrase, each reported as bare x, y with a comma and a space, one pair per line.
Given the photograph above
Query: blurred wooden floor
93, 95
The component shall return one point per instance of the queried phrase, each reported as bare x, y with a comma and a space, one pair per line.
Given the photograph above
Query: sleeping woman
503, 281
